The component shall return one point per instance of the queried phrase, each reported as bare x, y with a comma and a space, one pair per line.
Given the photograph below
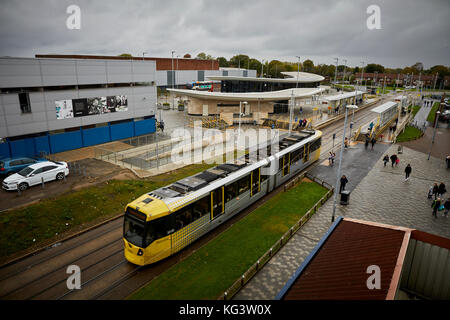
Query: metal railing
259, 264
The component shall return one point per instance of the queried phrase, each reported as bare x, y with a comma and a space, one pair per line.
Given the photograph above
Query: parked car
445, 116
33, 174
10, 166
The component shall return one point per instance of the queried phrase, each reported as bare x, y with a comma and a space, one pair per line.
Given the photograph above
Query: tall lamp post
173, 82
335, 73
240, 112
350, 106
434, 131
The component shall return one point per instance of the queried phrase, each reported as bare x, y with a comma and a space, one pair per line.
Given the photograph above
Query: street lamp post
298, 71
343, 77
240, 112
350, 106
434, 131
143, 54
335, 73
173, 82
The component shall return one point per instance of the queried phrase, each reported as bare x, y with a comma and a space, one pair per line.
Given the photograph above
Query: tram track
105, 273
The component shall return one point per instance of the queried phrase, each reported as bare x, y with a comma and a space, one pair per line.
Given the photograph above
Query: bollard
242, 280
257, 265
225, 295
42, 181
18, 190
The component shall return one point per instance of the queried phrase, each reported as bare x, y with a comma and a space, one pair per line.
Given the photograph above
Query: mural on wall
66, 109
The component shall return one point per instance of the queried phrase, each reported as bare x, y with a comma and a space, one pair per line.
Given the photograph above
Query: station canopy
384, 107
343, 95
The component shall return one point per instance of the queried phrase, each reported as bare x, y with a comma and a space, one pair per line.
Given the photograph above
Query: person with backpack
435, 205
435, 190
393, 159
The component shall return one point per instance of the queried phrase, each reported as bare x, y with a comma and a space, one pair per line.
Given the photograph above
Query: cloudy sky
320, 30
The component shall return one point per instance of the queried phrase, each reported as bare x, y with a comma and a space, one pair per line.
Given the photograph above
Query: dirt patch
83, 173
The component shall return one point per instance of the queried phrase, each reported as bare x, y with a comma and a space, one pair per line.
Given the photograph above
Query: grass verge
433, 111
410, 133
212, 269
25, 227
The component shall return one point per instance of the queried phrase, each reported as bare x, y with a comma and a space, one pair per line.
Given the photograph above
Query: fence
239, 283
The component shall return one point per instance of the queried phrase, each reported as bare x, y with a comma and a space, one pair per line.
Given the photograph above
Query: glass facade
261, 86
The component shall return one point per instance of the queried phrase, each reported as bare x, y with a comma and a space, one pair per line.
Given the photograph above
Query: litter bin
345, 197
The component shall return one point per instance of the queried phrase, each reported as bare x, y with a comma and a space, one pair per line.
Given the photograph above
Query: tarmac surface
378, 194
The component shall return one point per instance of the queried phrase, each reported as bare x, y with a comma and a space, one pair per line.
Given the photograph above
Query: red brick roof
161, 63
338, 270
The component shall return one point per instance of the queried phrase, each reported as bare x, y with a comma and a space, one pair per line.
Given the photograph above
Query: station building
55, 103
251, 96
50, 105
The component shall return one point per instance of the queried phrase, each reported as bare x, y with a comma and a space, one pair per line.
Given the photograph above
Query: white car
32, 175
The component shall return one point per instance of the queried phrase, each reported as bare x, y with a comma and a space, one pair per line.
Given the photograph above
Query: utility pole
290, 112
298, 71
343, 77
335, 73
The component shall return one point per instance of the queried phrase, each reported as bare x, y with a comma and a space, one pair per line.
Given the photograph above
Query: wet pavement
378, 194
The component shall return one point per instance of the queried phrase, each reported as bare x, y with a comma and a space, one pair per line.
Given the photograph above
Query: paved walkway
379, 194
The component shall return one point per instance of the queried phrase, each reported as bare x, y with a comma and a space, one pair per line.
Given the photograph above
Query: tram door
217, 204
286, 164
306, 153
255, 182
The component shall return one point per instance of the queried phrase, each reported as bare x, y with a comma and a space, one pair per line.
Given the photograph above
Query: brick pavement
382, 196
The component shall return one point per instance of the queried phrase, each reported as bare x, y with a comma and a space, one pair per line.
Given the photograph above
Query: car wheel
23, 186
60, 176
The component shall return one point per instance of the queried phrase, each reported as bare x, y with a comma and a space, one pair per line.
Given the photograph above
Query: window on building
24, 101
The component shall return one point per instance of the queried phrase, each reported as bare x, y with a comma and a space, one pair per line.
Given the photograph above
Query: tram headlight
140, 252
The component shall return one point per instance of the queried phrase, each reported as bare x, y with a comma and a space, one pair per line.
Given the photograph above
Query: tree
203, 56
128, 55
240, 60
187, 56
372, 67
418, 66
308, 66
223, 62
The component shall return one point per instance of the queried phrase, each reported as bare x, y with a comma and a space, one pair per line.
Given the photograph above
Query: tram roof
175, 200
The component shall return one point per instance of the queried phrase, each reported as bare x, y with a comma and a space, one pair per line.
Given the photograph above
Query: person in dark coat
386, 159
366, 144
447, 207
436, 204
408, 170
435, 190
373, 141
344, 181
441, 189
393, 159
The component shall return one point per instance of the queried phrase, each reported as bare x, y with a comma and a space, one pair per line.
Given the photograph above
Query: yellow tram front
145, 220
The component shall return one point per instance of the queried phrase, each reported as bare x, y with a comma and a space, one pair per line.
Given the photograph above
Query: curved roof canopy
251, 96
304, 76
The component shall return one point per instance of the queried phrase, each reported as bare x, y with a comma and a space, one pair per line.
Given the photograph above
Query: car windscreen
25, 171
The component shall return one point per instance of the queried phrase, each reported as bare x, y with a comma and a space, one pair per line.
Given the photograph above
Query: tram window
157, 229
263, 178
183, 217
231, 191
244, 184
315, 145
201, 207
286, 164
280, 164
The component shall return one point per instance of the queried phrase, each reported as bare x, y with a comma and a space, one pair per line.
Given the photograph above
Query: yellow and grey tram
164, 221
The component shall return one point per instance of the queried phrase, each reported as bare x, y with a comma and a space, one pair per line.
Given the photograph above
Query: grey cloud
411, 31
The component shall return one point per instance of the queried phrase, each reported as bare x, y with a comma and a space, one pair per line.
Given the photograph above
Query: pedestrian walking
344, 181
435, 190
373, 141
441, 190
435, 205
393, 159
397, 161
366, 144
448, 162
408, 170
447, 207
386, 159
346, 142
